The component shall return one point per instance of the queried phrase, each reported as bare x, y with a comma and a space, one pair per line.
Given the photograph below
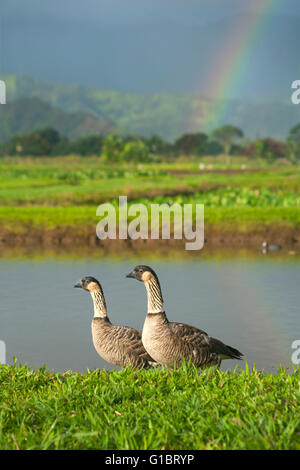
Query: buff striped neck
155, 300
99, 304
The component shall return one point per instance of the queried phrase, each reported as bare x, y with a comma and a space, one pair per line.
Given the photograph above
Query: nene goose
168, 343
119, 345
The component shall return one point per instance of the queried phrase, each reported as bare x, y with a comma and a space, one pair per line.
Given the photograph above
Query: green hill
167, 114
27, 115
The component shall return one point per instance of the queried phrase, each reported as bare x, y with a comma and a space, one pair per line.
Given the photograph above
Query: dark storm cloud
135, 45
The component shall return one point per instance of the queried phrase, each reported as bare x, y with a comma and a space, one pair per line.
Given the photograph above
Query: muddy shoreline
66, 237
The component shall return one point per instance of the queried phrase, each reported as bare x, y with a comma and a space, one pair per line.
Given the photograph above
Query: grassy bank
54, 200
152, 409
76, 227
242, 218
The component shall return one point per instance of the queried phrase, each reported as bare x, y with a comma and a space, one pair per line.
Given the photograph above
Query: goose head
88, 283
143, 273
146, 275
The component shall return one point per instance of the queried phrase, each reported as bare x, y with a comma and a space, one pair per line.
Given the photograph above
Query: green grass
155, 409
20, 219
47, 192
88, 181
232, 197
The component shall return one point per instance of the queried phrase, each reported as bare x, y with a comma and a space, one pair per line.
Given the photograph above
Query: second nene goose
169, 342
119, 345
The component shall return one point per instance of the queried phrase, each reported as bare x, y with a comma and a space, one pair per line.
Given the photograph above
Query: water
252, 305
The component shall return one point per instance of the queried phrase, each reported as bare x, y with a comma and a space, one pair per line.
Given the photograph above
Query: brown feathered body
119, 345
169, 342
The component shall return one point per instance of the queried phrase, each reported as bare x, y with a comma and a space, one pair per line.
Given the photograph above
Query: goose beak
131, 275
78, 285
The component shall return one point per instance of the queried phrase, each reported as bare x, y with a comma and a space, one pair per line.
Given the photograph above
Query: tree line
227, 139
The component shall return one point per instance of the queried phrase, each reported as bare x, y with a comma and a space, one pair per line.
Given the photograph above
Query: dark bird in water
266, 247
119, 345
169, 342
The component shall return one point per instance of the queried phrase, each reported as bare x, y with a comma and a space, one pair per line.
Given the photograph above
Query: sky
114, 11
149, 46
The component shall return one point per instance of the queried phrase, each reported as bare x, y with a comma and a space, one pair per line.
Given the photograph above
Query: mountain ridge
167, 114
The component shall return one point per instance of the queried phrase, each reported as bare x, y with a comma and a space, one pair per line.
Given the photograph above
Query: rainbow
231, 65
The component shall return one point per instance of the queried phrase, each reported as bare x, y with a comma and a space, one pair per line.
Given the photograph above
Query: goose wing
131, 346
201, 342
188, 333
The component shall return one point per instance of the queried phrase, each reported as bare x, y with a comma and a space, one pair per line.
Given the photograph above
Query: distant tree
189, 144
294, 134
129, 149
90, 145
134, 151
111, 148
293, 143
214, 148
49, 136
157, 145
236, 149
63, 147
268, 148
38, 143
227, 135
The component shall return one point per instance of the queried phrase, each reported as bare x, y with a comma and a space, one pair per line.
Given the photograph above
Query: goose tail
223, 350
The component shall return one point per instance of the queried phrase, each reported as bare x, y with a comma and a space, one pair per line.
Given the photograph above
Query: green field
51, 192
154, 409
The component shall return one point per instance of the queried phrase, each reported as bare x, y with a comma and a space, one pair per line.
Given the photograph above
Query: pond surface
252, 305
